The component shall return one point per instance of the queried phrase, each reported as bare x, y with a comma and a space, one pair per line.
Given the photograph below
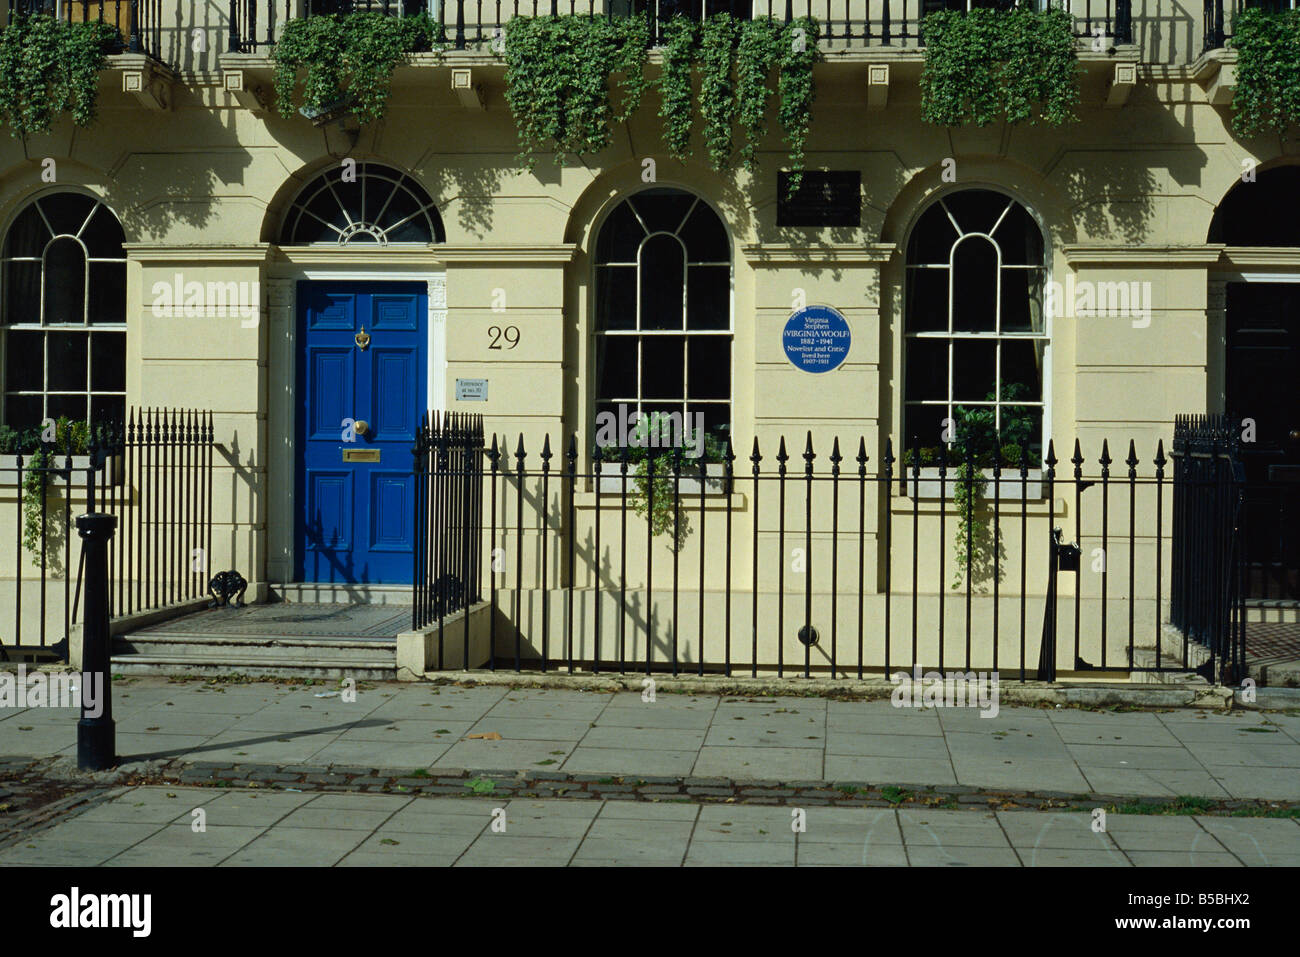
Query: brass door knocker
362, 338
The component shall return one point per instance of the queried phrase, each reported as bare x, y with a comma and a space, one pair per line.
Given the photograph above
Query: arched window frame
636, 398
300, 217
1039, 305
103, 393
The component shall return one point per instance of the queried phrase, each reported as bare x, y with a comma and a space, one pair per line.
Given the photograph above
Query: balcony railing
472, 24
138, 22
1217, 23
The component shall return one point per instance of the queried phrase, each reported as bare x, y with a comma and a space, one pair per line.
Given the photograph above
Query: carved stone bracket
248, 93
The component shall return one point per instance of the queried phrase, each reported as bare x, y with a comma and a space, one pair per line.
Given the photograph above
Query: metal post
96, 736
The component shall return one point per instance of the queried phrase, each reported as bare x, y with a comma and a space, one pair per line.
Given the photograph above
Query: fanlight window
64, 331
366, 203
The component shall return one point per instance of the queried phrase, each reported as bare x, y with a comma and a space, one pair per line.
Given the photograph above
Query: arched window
64, 312
1264, 212
368, 203
975, 331
663, 310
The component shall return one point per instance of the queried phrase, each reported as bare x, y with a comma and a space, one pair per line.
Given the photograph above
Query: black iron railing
138, 22
820, 564
1219, 16
475, 24
154, 473
448, 514
1206, 584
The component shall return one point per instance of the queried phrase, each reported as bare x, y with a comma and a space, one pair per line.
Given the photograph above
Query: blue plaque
816, 339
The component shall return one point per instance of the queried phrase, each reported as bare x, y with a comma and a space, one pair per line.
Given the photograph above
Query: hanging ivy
757, 53
717, 90
557, 70
1267, 97
49, 67
349, 60
557, 80
675, 85
1013, 65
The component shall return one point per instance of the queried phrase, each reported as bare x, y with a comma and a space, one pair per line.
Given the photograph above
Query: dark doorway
1263, 385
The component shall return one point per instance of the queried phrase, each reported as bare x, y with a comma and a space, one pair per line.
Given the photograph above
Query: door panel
1263, 360
355, 497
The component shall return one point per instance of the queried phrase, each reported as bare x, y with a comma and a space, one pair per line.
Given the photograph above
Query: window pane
65, 282
322, 206
1021, 300
103, 235
716, 418
976, 210
973, 368
108, 362
620, 236
24, 361
705, 236
923, 426
1021, 369
663, 209
927, 369
974, 288
72, 406
708, 297
615, 297
67, 361
710, 367
28, 234
378, 191
927, 300
662, 280
1023, 426
66, 212
662, 367
107, 408
616, 367
23, 411
107, 292
932, 238
1020, 238
23, 295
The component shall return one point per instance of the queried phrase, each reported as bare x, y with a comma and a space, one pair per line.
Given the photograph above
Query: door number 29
510, 334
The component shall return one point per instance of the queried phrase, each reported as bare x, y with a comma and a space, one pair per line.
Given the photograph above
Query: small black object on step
225, 584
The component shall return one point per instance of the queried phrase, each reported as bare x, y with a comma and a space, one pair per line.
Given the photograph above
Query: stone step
157, 652
253, 668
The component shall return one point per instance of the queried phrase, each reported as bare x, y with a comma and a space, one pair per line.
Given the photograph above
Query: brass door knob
361, 426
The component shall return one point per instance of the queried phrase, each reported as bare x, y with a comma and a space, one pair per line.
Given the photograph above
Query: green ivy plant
40, 493
557, 80
49, 67
1267, 97
349, 59
1014, 65
557, 71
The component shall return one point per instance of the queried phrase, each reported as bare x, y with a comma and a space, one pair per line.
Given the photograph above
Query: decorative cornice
155, 252
1094, 255
1257, 257
818, 255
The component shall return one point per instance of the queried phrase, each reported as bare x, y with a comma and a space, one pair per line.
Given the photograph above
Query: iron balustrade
139, 22
571, 558
474, 24
154, 474
448, 513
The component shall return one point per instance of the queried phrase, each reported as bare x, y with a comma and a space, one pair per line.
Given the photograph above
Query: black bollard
96, 736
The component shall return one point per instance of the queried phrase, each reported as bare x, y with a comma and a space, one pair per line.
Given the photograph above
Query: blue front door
361, 388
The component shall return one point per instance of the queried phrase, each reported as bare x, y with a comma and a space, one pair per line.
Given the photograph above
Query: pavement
178, 827
401, 727
420, 773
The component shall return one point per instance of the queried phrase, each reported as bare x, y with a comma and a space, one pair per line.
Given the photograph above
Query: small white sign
471, 390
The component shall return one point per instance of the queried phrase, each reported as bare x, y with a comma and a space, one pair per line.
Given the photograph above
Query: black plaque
823, 199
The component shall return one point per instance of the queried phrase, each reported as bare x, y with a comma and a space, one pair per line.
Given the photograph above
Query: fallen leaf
486, 736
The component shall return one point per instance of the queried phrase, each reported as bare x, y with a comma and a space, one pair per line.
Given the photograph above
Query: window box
1010, 488
611, 478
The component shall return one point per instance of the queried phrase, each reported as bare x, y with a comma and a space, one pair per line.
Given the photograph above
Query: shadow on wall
153, 192
470, 190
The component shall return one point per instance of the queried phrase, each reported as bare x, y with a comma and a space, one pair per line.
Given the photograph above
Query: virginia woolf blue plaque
816, 339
